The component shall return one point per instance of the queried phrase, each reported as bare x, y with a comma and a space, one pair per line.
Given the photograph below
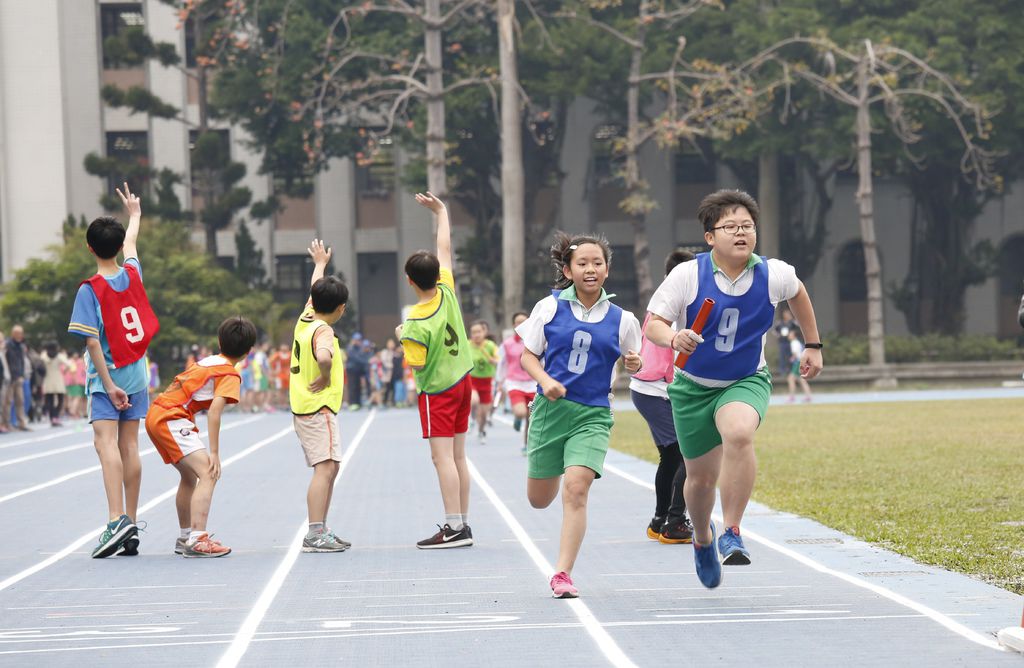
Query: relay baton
698, 327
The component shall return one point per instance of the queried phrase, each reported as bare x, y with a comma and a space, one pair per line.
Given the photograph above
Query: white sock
464, 519
193, 536
454, 521
185, 532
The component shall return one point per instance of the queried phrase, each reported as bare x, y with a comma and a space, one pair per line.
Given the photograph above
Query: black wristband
814, 346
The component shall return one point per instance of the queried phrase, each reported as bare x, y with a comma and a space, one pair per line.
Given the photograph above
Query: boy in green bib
315, 392
434, 340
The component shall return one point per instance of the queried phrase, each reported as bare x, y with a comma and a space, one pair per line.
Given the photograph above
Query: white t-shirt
679, 290
531, 330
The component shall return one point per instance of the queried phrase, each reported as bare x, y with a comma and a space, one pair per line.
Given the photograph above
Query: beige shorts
318, 435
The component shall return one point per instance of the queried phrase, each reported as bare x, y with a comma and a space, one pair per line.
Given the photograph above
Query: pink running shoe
561, 586
205, 547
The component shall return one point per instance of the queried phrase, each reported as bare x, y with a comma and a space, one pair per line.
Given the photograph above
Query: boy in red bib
114, 317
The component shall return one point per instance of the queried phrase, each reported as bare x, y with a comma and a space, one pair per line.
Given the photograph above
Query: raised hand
132, 203
429, 201
320, 253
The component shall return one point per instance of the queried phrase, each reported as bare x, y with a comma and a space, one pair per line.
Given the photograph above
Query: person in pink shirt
518, 384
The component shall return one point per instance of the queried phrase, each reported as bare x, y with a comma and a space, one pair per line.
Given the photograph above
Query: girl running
520, 388
580, 335
485, 363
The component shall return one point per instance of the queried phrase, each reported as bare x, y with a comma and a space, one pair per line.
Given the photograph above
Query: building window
131, 151
293, 273
115, 20
376, 176
606, 161
621, 279
693, 167
853, 289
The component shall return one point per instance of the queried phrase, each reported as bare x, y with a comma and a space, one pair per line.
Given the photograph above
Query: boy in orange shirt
209, 384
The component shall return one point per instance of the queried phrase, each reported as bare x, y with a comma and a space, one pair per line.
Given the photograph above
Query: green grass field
941, 482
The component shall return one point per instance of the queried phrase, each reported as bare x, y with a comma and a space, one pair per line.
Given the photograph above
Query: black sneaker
447, 537
130, 546
679, 532
655, 527
469, 531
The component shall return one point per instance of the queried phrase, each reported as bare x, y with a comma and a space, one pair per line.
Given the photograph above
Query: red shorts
446, 414
484, 388
520, 397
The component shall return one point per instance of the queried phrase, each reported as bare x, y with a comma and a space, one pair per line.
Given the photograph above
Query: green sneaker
114, 536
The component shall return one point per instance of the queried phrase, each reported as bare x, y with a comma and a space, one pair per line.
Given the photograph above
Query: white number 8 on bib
131, 322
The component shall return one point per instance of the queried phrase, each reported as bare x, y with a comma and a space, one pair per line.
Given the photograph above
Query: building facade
52, 67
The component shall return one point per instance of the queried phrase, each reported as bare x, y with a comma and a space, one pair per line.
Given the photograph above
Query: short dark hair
105, 237
519, 313
328, 293
677, 257
236, 336
721, 202
482, 323
424, 269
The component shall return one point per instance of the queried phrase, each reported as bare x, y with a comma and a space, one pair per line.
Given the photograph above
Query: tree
215, 175
512, 177
890, 75
190, 294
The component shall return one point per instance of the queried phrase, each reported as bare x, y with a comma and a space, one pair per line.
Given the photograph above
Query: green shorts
564, 433
694, 407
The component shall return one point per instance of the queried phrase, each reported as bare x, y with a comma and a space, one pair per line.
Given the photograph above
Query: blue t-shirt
87, 322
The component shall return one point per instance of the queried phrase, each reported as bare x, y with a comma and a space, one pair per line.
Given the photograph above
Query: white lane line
92, 535
107, 605
930, 613
730, 588
473, 577
444, 593
240, 643
39, 439
115, 588
415, 605
604, 641
62, 627
636, 575
457, 629
93, 469
45, 453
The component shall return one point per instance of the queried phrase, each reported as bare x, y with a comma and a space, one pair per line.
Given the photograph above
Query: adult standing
387, 371
356, 368
54, 388
14, 392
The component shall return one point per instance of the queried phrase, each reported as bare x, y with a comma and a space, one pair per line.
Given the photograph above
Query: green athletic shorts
564, 433
694, 407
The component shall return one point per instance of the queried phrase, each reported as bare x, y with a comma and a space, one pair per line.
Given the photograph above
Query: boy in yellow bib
315, 392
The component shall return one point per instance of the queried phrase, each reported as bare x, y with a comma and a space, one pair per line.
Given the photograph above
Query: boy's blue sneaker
705, 558
734, 553
114, 536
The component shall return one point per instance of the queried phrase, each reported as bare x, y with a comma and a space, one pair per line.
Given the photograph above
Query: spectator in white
15, 390
1020, 312
54, 389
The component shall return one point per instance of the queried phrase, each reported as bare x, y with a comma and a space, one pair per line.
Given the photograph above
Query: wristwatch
814, 346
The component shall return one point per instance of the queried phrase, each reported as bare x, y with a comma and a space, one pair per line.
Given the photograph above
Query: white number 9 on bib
131, 322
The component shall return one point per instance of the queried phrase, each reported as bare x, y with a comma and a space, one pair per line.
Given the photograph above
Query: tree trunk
512, 178
768, 200
436, 178
634, 186
865, 202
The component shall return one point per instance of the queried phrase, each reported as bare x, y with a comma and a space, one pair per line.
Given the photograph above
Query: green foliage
189, 293
249, 266
133, 47
139, 100
928, 348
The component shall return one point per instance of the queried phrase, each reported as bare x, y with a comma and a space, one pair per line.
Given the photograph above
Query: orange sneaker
205, 547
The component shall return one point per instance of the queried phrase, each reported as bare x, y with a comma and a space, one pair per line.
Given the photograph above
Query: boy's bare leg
131, 465
318, 496
459, 452
737, 423
105, 441
183, 500
330, 491
197, 464
575, 492
442, 452
699, 492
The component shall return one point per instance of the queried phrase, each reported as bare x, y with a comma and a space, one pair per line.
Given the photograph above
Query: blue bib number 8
727, 327
578, 355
